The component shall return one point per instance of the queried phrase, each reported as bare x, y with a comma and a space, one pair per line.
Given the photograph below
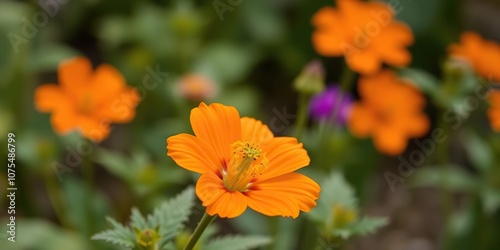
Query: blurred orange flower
390, 111
494, 111
364, 32
86, 100
242, 164
484, 55
196, 87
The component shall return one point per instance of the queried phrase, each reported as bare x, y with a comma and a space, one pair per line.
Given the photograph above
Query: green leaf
40, 235
173, 214
169, 218
226, 62
364, 226
479, 151
450, 177
423, 80
119, 235
50, 56
116, 163
138, 221
491, 199
334, 190
237, 242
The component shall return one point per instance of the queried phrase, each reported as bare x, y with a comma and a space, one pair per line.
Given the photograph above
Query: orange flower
242, 164
86, 100
390, 111
494, 111
482, 54
364, 32
196, 87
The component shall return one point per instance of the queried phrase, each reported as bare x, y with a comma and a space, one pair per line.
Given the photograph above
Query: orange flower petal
417, 125
75, 74
285, 155
94, 129
284, 195
361, 121
49, 97
366, 33
63, 121
217, 125
363, 62
120, 109
228, 205
483, 55
107, 83
494, 110
392, 44
209, 188
390, 141
253, 130
193, 154
327, 40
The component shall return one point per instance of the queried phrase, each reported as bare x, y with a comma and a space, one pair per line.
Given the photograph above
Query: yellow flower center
247, 161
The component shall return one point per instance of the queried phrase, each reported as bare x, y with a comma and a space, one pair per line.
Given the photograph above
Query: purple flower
322, 105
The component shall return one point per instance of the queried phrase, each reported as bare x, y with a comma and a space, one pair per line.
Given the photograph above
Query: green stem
88, 174
205, 221
443, 161
302, 115
56, 199
346, 81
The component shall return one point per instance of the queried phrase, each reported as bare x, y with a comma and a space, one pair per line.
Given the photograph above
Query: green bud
147, 239
455, 71
343, 216
311, 80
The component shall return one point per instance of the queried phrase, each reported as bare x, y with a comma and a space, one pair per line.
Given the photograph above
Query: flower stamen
247, 161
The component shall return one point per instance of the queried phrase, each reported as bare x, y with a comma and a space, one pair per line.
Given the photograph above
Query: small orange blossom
390, 111
243, 165
366, 33
494, 111
483, 55
196, 87
86, 100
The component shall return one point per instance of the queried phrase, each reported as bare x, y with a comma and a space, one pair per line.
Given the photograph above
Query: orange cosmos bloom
242, 164
494, 111
364, 32
390, 111
87, 101
196, 87
482, 54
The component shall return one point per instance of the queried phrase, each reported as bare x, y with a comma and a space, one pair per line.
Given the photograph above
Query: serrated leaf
334, 190
364, 226
237, 242
119, 235
137, 220
173, 214
169, 217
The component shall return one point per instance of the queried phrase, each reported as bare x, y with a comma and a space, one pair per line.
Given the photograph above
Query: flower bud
311, 80
196, 87
342, 216
147, 239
